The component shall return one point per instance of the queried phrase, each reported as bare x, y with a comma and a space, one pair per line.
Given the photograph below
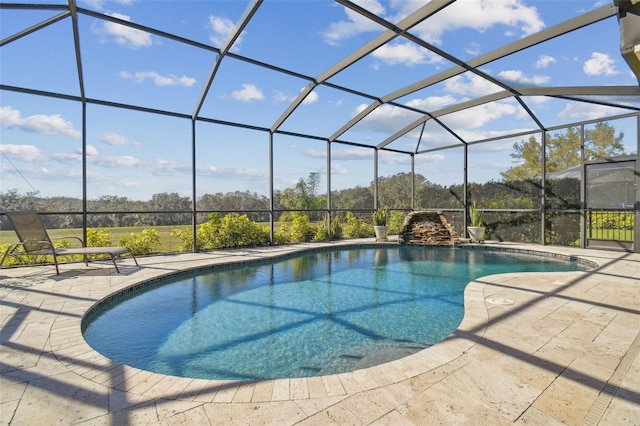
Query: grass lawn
167, 242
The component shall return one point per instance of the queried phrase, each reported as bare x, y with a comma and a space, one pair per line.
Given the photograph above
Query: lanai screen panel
36, 159
42, 60
145, 70
295, 158
136, 154
204, 22
443, 179
299, 36
625, 130
230, 159
322, 112
351, 167
380, 124
249, 94
568, 60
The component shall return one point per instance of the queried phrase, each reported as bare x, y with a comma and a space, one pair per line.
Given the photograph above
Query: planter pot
476, 234
381, 232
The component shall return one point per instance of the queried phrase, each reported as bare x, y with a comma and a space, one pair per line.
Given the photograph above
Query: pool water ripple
320, 313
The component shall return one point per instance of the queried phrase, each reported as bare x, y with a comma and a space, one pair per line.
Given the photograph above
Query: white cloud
433, 103
354, 25
39, 123
280, 97
429, 158
406, 53
472, 49
354, 153
479, 15
123, 35
520, 77
311, 98
115, 139
64, 157
248, 93
599, 64
476, 117
338, 169
577, 111
91, 151
119, 161
158, 80
242, 173
469, 84
221, 28
161, 167
28, 153
544, 61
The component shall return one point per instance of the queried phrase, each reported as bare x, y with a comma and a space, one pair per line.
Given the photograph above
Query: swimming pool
324, 312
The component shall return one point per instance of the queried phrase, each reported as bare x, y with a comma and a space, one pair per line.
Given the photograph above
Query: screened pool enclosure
174, 114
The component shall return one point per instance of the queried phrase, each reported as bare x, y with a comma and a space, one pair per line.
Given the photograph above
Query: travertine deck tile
542, 360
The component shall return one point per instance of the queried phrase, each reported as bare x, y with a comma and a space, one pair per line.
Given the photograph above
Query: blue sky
137, 154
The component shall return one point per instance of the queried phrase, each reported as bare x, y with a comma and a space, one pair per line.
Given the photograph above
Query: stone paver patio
533, 348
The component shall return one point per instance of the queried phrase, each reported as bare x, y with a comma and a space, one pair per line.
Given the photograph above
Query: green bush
98, 238
301, 229
185, 236
14, 260
357, 228
233, 230
282, 236
142, 242
395, 222
336, 228
321, 233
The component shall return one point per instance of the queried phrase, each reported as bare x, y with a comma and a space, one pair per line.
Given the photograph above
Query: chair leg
55, 261
113, 259
10, 249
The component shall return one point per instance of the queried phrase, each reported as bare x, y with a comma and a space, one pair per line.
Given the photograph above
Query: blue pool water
320, 313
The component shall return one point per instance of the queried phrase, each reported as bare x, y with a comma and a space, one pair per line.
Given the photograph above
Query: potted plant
477, 229
379, 220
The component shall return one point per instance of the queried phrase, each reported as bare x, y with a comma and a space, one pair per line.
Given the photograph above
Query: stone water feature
427, 228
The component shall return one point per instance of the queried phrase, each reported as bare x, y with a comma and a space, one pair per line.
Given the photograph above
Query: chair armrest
71, 238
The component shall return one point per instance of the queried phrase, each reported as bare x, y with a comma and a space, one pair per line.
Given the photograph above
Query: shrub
357, 228
301, 229
143, 242
233, 230
395, 222
282, 236
336, 228
13, 260
321, 232
98, 238
185, 235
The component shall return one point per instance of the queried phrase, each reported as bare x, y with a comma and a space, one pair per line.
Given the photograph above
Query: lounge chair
35, 240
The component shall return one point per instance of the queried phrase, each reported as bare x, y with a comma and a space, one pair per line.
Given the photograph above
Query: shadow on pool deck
565, 351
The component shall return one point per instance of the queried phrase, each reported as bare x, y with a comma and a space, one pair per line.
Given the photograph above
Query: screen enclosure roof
408, 76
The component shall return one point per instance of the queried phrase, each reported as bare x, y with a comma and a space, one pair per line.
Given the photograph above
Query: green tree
601, 142
563, 151
394, 192
304, 196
